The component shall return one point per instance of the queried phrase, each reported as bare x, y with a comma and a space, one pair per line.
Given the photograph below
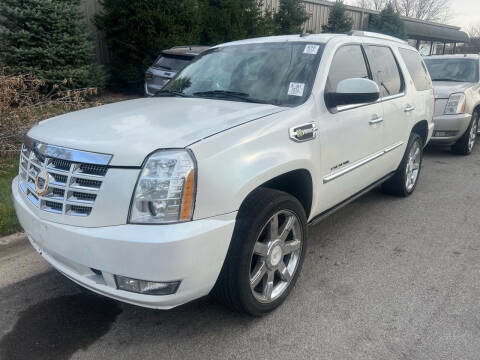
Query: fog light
146, 287
445, 133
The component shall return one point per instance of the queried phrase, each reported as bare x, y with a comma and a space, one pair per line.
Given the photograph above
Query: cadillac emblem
41, 182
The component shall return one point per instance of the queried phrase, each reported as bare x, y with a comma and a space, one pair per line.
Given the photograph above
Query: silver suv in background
167, 65
457, 106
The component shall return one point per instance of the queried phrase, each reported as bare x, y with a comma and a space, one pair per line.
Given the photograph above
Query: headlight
455, 104
165, 189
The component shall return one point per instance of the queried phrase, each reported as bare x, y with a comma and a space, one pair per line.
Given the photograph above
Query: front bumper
191, 252
456, 124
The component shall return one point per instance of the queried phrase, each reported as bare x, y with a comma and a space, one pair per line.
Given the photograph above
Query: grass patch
8, 219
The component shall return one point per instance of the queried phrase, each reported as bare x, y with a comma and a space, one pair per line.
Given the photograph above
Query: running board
354, 197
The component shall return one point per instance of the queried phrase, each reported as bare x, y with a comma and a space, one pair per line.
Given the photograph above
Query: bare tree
474, 31
429, 10
371, 4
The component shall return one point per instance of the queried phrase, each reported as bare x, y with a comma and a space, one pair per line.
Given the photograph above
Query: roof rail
375, 35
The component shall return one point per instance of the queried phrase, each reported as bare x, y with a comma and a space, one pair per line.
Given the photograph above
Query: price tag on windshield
296, 89
311, 49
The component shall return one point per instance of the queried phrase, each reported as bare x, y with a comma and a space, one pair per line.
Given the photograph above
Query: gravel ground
385, 278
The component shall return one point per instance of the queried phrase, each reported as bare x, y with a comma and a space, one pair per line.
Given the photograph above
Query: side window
347, 63
385, 70
416, 68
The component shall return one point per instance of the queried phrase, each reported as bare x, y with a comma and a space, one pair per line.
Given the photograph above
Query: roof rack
375, 35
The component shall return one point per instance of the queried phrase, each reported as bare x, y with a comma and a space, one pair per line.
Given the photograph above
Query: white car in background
211, 184
456, 83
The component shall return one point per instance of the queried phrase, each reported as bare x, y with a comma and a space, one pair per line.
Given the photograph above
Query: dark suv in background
167, 65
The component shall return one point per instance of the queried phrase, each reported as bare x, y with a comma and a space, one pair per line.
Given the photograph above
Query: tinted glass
347, 63
174, 63
274, 73
461, 70
384, 70
417, 69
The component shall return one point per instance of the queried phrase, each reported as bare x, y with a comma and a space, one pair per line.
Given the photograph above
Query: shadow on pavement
57, 327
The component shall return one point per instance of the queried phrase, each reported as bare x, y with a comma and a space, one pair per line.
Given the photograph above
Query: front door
351, 138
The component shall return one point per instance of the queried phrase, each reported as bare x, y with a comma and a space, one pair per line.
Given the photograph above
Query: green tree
338, 20
137, 31
227, 20
387, 22
290, 17
48, 38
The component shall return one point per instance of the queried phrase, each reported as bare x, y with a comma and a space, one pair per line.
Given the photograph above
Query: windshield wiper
225, 94
446, 79
165, 92
163, 67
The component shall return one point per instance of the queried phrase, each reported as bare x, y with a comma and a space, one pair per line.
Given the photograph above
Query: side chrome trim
393, 147
391, 97
354, 106
60, 152
360, 163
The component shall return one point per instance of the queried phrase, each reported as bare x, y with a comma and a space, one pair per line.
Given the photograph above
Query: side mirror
354, 91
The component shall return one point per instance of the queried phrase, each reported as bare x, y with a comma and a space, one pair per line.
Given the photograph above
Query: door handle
376, 120
409, 108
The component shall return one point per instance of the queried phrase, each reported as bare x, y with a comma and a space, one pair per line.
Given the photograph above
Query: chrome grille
72, 187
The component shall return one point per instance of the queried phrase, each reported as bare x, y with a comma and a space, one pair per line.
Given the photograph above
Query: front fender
234, 163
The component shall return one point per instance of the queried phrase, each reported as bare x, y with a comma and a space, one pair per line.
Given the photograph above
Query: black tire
233, 284
462, 146
397, 184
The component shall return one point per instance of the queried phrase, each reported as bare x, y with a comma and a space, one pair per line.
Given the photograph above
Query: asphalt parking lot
385, 278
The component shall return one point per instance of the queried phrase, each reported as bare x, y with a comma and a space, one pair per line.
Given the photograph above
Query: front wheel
465, 144
404, 182
266, 253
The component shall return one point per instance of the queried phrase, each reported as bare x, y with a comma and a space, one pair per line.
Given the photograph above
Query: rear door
419, 87
351, 137
397, 107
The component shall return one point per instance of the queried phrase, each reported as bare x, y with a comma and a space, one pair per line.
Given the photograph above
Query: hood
443, 89
130, 130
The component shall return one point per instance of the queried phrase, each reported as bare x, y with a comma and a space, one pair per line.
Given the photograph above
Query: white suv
210, 185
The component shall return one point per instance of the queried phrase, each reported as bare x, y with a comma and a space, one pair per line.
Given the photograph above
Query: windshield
461, 70
174, 63
273, 73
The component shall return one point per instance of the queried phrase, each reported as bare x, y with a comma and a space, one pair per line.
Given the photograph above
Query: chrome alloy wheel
275, 256
473, 134
413, 166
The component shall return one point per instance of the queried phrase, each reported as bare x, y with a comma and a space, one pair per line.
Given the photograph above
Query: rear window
454, 69
172, 62
417, 69
385, 70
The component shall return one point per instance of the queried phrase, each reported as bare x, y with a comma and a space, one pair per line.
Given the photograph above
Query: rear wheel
404, 182
465, 144
266, 253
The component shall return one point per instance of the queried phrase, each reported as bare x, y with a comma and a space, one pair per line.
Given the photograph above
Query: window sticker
311, 49
296, 89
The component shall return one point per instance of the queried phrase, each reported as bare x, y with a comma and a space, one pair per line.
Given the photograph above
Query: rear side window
347, 63
417, 69
385, 70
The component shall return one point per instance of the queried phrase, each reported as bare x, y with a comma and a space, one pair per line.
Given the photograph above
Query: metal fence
318, 11
90, 8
